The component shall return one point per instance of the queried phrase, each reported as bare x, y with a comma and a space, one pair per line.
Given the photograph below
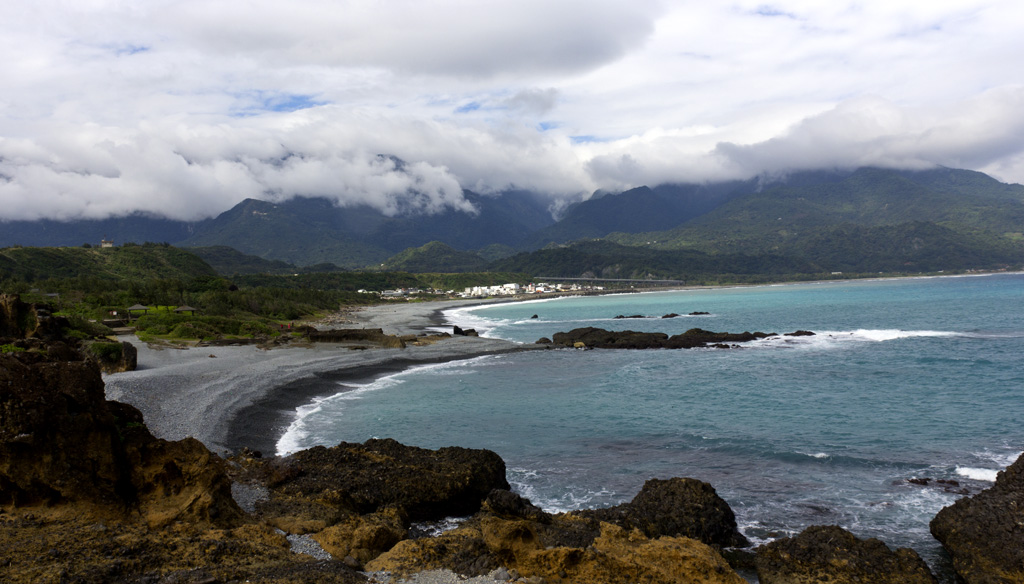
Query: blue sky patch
469, 107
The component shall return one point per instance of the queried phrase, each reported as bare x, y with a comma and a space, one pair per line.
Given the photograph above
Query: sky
184, 108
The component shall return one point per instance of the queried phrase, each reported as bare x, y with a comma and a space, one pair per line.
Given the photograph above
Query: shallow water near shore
912, 378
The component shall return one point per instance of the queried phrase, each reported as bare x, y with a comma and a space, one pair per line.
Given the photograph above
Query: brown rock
62, 442
363, 538
985, 533
830, 554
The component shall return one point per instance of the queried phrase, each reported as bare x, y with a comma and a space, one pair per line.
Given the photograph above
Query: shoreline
242, 396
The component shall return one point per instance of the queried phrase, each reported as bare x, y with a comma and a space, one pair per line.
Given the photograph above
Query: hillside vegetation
137, 262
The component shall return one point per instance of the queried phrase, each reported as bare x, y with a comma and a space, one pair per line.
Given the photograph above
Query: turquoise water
904, 378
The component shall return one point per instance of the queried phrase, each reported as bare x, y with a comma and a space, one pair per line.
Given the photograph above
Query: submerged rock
830, 554
985, 533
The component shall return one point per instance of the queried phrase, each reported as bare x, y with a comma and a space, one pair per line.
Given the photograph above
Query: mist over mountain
866, 219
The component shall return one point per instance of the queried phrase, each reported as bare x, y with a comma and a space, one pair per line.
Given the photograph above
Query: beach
243, 396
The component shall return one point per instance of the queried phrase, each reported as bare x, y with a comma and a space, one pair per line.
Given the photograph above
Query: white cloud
186, 108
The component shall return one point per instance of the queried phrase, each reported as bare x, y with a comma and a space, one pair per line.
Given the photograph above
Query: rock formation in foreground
985, 533
832, 555
513, 534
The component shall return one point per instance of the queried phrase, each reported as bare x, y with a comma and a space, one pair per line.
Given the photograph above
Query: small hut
137, 308
186, 308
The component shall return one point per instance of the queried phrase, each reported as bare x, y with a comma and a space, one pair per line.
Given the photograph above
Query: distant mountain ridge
865, 219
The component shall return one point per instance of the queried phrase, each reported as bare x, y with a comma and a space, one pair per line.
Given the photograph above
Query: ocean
904, 379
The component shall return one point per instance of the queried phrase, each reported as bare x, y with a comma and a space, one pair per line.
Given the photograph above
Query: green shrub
110, 352
193, 330
256, 328
11, 349
82, 328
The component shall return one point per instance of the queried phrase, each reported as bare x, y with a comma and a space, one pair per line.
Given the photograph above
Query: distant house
186, 308
106, 243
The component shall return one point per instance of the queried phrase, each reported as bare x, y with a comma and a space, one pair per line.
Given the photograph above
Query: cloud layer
183, 109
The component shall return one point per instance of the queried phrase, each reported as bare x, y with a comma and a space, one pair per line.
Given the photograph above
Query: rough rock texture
683, 507
831, 554
58, 441
604, 339
20, 320
985, 533
364, 478
580, 546
616, 556
59, 544
88, 495
113, 357
375, 336
359, 539
61, 441
677, 507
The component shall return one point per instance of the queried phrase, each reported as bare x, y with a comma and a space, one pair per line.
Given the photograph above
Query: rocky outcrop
113, 356
598, 338
88, 495
984, 534
62, 442
21, 320
379, 474
58, 440
830, 554
681, 507
562, 548
375, 336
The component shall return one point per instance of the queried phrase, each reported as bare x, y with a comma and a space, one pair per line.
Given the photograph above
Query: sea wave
838, 339
978, 474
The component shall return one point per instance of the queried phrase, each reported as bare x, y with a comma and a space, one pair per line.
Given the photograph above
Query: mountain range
860, 220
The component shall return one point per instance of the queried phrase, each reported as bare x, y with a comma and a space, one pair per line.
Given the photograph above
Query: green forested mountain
783, 216
435, 257
305, 231
605, 259
638, 210
301, 232
228, 261
139, 262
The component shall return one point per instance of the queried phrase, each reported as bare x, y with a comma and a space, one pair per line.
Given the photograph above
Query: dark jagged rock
800, 334
543, 341
671, 315
598, 338
830, 554
622, 316
680, 507
58, 440
699, 313
985, 533
365, 478
20, 320
535, 316
62, 442
568, 547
